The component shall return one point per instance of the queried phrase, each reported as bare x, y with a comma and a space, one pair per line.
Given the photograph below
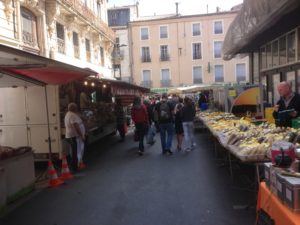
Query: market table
269, 202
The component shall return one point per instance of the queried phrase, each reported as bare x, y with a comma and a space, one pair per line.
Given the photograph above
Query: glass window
197, 75
163, 31
197, 51
276, 81
60, 33
146, 75
291, 46
144, 34
165, 74
196, 29
219, 73
240, 72
291, 77
87, 45
102, 56
218, 27
269, 55
75, 39
218, 49
146, 54
263, 58
29, 34
282, 50
275, 55
164, 56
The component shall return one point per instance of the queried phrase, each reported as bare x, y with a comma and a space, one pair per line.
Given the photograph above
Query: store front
270, 31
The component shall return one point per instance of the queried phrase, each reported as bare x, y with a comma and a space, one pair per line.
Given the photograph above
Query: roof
38, 69
259, 22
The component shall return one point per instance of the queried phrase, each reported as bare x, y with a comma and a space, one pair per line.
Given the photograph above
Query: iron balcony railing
61, 46
197, 81
165, 83
76, 52
146, 83
165, 57
146, 58
28, 39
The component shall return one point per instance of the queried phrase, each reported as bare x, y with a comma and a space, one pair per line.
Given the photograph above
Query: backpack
164, 111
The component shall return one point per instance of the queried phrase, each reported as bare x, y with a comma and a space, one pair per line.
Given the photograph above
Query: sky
186, 7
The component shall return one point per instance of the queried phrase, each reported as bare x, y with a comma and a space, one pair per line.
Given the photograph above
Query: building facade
183, 50
118, 19
70, 31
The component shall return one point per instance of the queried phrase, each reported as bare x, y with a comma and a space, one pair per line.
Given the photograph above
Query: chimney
176, 3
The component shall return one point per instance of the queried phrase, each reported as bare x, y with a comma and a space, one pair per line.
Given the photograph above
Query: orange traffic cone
65, 172
54, 180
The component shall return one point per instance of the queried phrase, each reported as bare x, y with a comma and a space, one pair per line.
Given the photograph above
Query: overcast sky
186, 7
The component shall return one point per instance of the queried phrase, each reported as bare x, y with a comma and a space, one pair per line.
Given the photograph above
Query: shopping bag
150, 135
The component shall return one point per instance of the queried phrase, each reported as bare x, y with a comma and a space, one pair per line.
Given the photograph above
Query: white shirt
70, 119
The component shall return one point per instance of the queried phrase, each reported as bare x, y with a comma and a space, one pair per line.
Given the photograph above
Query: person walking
178, 124
165, 112
139, 116
74, 125
120, 119
188, 113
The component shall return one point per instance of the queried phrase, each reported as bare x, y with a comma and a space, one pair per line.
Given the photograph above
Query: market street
121, 188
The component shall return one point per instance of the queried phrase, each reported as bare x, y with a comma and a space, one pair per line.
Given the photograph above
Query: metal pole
48, 124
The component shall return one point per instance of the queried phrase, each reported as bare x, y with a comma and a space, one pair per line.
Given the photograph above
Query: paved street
121, 188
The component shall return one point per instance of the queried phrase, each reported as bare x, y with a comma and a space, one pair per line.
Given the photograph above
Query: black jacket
287, 120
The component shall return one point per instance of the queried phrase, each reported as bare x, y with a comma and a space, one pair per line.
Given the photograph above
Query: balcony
165, 57
146, 83
197, 81
88, 56
61, 46
165, 83
76, 52
146, 58
28, 39
88, 14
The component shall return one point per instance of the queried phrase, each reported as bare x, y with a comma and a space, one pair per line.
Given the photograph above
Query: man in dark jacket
288, 107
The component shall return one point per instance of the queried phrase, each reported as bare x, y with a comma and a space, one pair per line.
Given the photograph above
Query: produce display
247, 141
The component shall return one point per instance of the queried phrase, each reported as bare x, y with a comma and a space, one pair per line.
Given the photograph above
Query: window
165, 78
218, 27
99, 10
88, 50
240, 72
291, 46
102, 56
60, 35
218, 49
197, 51
146, 79
29, 34
146, 54
269, 55
263, 58
144, 34
76, 45
163, 31
196, 29
282, 50
164, 56
219, 73
275, 55
197, 75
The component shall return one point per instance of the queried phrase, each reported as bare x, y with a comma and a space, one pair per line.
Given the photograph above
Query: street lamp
115, 55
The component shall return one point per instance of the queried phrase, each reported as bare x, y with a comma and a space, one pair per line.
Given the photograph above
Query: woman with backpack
187, 114
139, 116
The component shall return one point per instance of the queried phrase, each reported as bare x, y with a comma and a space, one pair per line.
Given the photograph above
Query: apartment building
70, 31
176, 50
118, 19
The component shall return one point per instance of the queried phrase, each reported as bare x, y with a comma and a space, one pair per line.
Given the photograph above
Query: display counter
280, 213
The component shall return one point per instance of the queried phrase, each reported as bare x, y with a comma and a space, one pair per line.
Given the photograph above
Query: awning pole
48, 124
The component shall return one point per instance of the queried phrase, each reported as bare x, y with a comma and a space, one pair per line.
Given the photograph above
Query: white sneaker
187, 149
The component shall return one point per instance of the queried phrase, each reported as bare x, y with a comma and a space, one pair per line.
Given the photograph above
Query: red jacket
139, 114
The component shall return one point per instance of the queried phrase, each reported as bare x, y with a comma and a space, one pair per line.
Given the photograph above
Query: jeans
188, 129
166, 136
74, 160
141, 131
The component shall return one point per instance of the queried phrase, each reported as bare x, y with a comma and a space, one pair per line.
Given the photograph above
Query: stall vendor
288, 106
